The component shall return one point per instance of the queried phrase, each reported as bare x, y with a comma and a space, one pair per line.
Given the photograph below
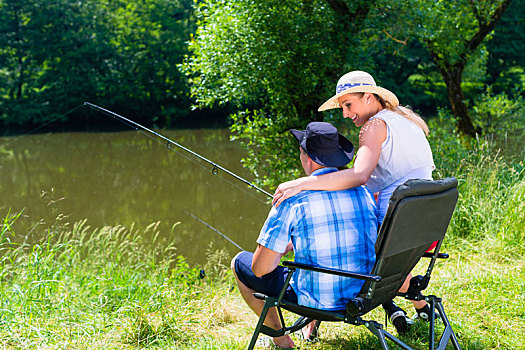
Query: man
335, 229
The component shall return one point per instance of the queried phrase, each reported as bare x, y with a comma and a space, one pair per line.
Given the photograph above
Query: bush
491, 183
497, 114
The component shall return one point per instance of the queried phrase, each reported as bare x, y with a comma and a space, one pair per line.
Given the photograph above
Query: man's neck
323, 170
311, 168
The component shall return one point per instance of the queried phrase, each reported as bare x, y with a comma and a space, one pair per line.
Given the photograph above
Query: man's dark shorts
269, 284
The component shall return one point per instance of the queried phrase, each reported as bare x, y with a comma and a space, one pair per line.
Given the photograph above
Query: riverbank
111, 288
101, 289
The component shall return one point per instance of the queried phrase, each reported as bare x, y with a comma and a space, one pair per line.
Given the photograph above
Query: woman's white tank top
405, 149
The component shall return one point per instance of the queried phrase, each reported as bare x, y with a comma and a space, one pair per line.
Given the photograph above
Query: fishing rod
214, 229
171, 143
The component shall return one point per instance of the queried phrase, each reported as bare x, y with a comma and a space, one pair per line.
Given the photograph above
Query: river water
127, 178
132, 178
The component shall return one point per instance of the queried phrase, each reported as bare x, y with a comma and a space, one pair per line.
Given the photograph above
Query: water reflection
125, 178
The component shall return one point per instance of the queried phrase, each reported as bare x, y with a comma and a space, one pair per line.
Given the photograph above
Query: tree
18, 69
277, 62
123, 54
506, 61
149, 41
53, 54
453, 32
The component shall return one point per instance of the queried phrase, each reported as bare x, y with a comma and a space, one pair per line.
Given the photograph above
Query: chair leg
448, 332
380, 333
260, 323
376, 330
431, 330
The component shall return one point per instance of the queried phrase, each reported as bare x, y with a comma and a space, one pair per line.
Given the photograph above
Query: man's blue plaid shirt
336, 229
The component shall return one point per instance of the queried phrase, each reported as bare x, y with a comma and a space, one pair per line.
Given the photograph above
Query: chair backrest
418, 214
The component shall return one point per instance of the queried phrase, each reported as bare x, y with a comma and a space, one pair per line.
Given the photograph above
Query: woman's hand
287, 190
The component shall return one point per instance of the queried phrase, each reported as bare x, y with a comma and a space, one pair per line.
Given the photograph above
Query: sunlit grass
104, 289
110, 288
85, 283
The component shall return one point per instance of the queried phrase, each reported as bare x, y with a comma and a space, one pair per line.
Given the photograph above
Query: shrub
497, 114
491, 182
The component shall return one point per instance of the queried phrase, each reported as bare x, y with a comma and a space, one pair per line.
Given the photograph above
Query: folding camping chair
419, 213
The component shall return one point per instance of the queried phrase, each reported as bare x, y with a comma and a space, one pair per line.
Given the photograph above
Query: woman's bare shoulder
374, 129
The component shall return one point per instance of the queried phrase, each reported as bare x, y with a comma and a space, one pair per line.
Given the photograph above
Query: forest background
259, 67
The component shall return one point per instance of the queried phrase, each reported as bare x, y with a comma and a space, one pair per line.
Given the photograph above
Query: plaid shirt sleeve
276, 231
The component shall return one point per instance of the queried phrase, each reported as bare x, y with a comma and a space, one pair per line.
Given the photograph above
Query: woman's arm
371, 137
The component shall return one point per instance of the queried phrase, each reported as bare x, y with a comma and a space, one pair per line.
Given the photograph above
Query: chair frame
361, 305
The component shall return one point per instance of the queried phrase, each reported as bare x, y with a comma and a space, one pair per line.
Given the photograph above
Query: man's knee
232, 265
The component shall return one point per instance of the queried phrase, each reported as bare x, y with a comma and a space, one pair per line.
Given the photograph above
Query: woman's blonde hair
406, 112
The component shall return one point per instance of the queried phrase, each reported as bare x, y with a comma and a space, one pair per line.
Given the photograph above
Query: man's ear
310, 162
310, 165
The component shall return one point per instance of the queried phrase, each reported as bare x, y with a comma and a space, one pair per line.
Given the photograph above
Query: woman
392, 149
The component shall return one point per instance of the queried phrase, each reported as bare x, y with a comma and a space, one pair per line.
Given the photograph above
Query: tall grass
491, 200
82, 285
491, 185
109, 288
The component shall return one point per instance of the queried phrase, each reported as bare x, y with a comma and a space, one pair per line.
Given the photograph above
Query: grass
104, 288
107, 288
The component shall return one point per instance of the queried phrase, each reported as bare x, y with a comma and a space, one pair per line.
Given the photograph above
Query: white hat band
343, 87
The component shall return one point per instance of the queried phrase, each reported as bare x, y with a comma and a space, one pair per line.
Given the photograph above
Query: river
126, 178
130, 178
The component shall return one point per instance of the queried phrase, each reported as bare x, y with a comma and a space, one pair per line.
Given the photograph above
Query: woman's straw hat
358, 81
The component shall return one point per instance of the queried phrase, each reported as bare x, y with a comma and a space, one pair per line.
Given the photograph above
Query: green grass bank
106, 288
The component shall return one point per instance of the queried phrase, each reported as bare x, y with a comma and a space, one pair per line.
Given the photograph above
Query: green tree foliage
506, 61
54, 55
499, 114
279, 59
454, 33
149, 40
59, 55
17, 65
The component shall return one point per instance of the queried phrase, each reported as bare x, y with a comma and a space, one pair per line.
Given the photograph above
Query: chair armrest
331, 271
440, 255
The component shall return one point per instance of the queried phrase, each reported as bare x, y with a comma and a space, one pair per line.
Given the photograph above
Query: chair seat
318, 314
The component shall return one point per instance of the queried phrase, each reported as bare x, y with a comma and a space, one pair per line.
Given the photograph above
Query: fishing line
214, 170
43, 125
171, 143
171, 148
214, 229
